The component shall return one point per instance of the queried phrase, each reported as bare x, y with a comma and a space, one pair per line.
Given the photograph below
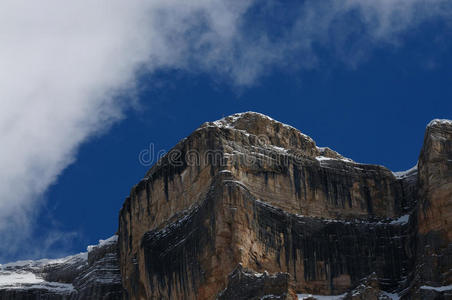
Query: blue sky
362, 87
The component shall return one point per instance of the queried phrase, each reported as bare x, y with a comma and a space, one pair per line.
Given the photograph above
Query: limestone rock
435, 205
252, 191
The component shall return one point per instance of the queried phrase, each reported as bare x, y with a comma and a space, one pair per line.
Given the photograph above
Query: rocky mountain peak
440, 123
246, 120
268, 131
437, 141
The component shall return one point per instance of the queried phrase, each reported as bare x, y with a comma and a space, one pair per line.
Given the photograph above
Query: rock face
435, 209
245, 284
86, 276
247, 190
249, 208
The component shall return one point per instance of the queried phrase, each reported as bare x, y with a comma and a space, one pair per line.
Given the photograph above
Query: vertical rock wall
261, 194
435, 205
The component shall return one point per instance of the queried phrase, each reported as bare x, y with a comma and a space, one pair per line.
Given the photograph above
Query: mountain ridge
247, 195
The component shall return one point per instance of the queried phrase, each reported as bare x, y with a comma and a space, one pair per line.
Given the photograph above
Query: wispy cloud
63, 66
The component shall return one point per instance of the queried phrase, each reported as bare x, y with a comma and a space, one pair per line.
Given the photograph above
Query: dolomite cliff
250, 193
249, 208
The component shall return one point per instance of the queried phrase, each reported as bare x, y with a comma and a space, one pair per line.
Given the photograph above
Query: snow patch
405, 174
8, 279
391, 295
402, 220
28, 280
111, 240
320, 297
39, 264
268, 297
279, 149
53, 286
324, 158
25, 274
437, 289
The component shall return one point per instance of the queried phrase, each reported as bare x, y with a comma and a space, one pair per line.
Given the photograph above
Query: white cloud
63, 64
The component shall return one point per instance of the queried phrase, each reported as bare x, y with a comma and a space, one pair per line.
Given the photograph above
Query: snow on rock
437, 289
27, 280
391, 296
324, 158
37, 265
405, 174
343, 296
55, 287
436, 122
27, 274
11, 279
326, 153
78, 272
111, 240
402, 220
320, 297
229, 121
276, 148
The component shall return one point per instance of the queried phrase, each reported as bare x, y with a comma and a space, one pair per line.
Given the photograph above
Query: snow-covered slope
89, 275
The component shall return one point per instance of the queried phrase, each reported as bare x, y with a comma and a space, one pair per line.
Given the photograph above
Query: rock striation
435, 211
249, 208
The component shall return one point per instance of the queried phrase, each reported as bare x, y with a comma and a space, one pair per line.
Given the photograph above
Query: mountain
249, 208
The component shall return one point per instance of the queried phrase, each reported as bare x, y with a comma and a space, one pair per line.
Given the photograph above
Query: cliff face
249, 191
435, 205
249, 208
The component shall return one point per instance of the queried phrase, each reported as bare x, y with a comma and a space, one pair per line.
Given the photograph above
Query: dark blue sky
373, 112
